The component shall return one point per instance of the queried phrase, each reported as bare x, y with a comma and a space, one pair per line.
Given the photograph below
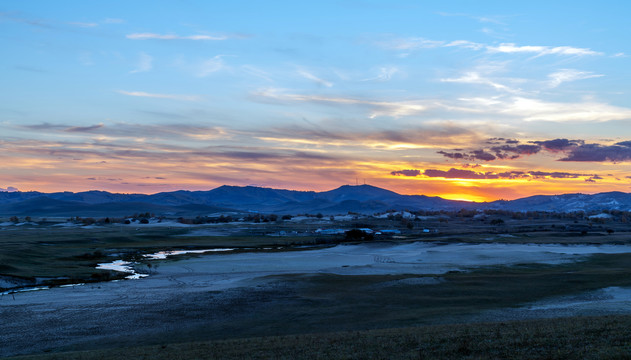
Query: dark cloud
512, 175
481, 155
501, 140
44, 126
471, 156
469, 174
83, 128
473, 166
554, 175
406, 172
505, 151
593, 178
557, 145
456, 155
459, 174
574, 150
597, 152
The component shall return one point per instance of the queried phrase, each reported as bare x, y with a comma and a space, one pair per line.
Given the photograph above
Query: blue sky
473, 100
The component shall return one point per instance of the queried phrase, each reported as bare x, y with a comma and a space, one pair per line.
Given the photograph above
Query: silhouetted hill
359, 199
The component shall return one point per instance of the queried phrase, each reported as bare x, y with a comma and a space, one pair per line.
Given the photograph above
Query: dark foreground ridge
363, 199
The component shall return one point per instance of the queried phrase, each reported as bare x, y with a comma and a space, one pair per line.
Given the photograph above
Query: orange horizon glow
156, 169
451, 189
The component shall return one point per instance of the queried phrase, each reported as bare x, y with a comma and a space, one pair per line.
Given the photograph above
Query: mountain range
364, 199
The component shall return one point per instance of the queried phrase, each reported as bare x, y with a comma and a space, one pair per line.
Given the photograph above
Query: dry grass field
328, 316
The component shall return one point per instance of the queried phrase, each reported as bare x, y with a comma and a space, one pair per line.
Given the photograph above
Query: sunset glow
473, 101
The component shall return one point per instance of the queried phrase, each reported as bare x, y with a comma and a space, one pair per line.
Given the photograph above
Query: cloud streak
160, 96
155, 36
307, 75
416, 43
567, 75
510, 48
377, 108
454, 173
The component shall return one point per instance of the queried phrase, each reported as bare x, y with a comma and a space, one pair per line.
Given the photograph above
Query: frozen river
381, 259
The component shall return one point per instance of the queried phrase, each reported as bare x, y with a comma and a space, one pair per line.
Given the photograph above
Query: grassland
69, 254
342, 317
61, 255
569, 338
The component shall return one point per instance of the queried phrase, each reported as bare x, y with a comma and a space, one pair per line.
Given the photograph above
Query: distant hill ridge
365, 199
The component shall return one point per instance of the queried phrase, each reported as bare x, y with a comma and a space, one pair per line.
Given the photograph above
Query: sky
468, 100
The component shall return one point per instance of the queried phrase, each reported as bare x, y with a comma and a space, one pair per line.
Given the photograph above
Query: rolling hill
365, 199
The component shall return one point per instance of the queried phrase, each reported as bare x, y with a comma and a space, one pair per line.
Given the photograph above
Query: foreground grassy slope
567, 338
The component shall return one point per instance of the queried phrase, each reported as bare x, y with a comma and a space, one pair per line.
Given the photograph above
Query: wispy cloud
377, 108
532, 109
475, 78
211, 66
145, 63
465, 44
567, 75
411, 43
154, 36
172, 132
307, 75
385, 74
84, 128
415, 43
417, 137
253, 70
83, 24
509, 48
160, 96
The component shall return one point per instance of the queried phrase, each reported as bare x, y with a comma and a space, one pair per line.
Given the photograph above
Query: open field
69, 253
391, 311
569, 338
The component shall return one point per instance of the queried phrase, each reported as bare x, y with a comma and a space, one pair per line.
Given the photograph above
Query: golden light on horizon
463, 197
